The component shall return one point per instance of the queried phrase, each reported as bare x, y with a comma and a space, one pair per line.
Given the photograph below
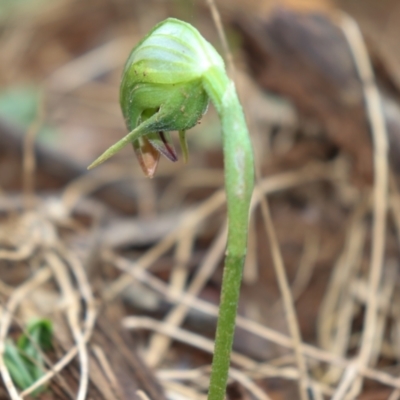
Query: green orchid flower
162, 90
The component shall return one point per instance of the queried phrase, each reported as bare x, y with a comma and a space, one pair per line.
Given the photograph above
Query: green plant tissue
20, 106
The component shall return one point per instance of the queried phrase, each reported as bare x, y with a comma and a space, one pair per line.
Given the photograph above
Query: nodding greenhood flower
167, 83
162, 90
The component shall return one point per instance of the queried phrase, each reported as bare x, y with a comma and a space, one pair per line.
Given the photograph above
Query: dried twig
192, 218
288, 302
29, 159
221, 33
63, 280
247, 324
379, 135
159, 344
183, 336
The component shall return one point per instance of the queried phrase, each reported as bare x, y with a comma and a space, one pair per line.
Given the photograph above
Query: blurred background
105, 255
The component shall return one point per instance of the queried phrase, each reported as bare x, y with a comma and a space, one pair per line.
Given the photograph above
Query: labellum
148, 149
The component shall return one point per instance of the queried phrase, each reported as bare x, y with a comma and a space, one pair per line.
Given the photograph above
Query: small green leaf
20, 105
20, 371
24, 360
41, 330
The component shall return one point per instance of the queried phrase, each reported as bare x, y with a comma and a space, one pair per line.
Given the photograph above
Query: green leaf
19, 370
24, 360
20, 105
41, 330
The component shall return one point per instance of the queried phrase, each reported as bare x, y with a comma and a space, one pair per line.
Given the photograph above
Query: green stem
239, 182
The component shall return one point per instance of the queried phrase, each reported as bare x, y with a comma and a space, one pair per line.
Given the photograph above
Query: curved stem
239, 182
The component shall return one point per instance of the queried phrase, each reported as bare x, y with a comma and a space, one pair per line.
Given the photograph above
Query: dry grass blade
84, 185
107, 369
287, 298
288, 302
183, 336
379, 135
247, 383
348, 379
144, 262
159, 344
177, 391
22, 253
29, 160
288, 373
89, 66
142, 395
73, 311
251, 267
84, 288
183, 374
201, 343
395, 395
221, 33
183, 252
336, 311
306, 266
192, 218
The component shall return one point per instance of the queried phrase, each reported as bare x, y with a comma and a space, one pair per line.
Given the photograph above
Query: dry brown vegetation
128, 269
